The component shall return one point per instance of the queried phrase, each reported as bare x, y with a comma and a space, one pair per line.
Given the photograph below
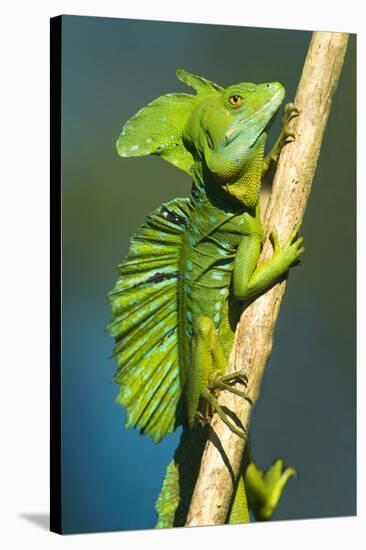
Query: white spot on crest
134, 147
149, 140
164, 119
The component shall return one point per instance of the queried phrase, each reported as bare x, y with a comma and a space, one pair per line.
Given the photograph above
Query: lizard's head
227, 128
218, 128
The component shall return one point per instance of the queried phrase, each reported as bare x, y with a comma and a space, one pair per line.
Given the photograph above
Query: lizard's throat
246, 190
237, 195
240, 191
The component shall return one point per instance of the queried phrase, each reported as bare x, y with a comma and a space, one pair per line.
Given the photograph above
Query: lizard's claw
286, 135
294, 233
274, 240
294, 242
202, 419
290, 112
291, 251
233, 377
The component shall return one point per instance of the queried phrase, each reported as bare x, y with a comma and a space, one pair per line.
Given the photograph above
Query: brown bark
253, 340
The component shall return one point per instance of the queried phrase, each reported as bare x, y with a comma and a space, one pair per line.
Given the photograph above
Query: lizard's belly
209, 289
205, 287
207, 259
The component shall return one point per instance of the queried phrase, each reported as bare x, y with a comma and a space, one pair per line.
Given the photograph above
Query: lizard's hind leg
207, 372
220, 411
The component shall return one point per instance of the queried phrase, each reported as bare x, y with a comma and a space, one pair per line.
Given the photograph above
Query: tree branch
253, 339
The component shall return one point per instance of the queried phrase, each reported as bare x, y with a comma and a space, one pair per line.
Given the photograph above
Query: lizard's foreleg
284, 137
250, 279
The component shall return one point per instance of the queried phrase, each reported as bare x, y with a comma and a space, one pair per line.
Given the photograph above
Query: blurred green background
306, 412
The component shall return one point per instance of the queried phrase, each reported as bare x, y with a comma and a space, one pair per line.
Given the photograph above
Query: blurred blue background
306, 412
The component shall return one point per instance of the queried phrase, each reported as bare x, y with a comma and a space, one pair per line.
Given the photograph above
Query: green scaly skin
189, 270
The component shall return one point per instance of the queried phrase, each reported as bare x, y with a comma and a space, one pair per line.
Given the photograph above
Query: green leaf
264, 490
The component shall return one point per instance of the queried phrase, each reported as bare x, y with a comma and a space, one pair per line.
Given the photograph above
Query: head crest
157, 129
198, 83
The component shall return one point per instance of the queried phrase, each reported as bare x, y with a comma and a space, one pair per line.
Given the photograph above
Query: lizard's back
179, 266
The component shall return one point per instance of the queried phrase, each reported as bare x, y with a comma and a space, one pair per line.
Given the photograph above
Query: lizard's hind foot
236, 376
240, 432
202, 419
227, 381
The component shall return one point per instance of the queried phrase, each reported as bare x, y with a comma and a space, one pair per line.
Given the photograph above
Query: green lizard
188, 271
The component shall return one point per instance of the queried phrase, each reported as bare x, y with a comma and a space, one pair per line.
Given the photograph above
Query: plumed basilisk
189, 269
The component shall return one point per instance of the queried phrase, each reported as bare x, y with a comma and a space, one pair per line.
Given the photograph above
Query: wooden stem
253, 339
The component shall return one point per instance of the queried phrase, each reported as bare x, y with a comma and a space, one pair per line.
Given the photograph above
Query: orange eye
235, 100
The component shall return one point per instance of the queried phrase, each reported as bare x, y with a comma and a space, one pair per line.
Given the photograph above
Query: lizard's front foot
289, 254
264, 489
286, 135
290, 112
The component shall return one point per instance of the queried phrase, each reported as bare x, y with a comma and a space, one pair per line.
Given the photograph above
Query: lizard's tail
180, 479
257, 490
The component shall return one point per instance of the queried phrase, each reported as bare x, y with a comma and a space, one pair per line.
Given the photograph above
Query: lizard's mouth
230, 137
251, 128
234, 136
